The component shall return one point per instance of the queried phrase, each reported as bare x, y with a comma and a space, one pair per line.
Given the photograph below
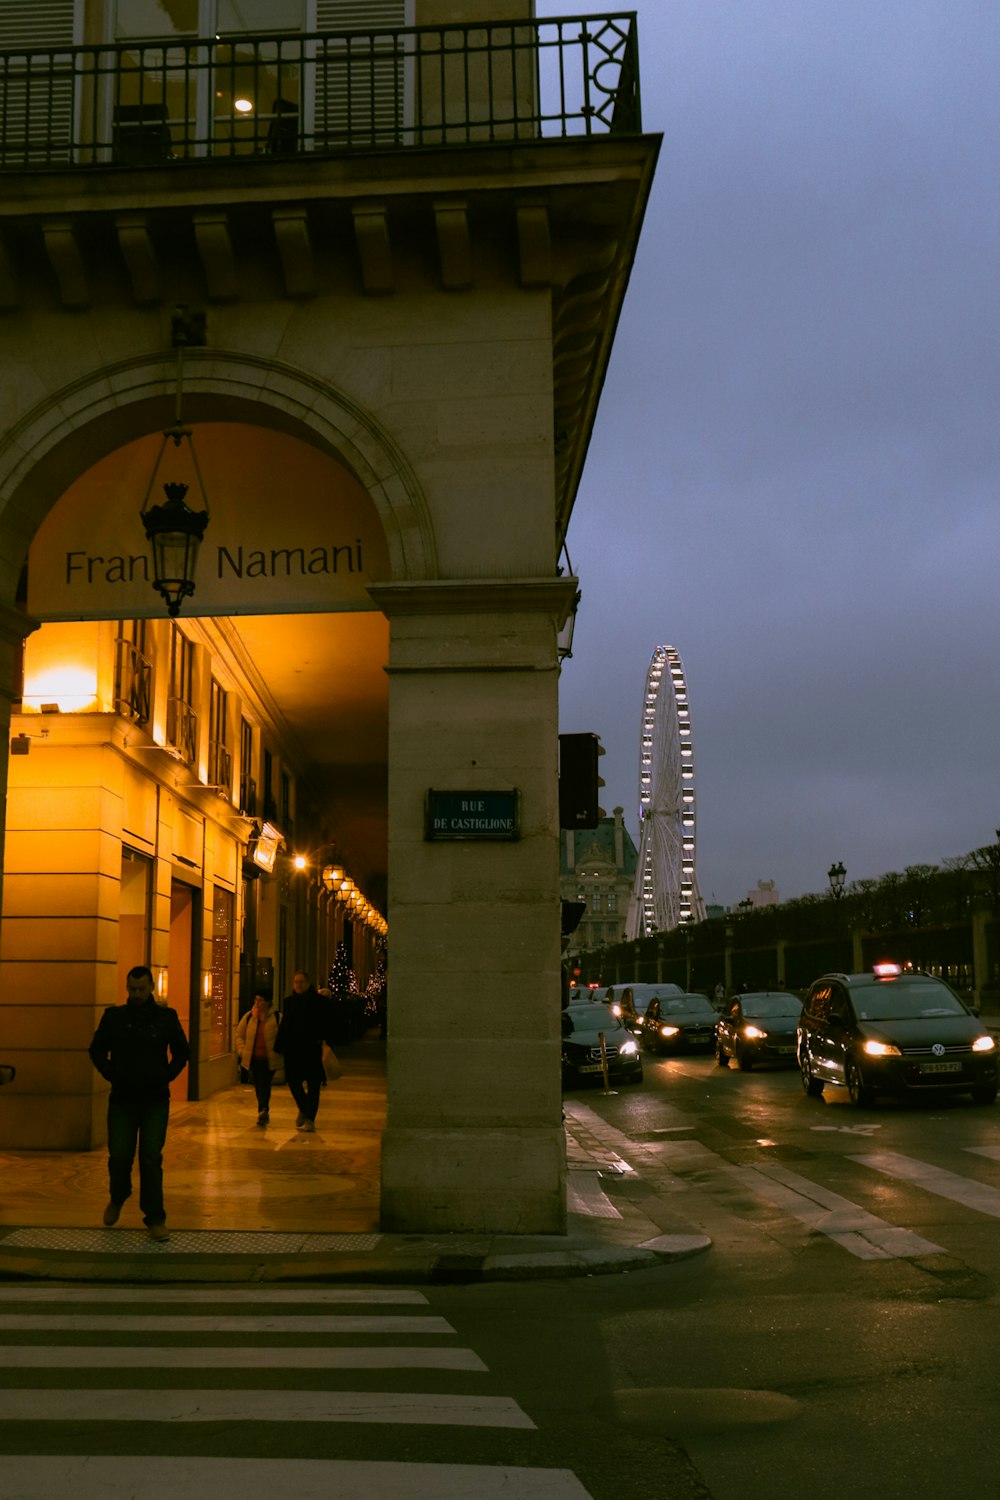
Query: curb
431, 1263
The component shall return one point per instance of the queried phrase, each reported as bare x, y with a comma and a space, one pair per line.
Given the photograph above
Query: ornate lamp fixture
564, 638
836, 875
173, 529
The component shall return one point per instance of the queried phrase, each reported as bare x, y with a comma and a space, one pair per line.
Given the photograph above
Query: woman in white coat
255, 1038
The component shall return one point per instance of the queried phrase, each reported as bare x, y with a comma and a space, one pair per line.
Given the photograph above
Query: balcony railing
133, 680
328, 93
182, 729
220, 767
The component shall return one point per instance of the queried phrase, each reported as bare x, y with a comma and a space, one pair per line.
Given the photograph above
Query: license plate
942, 1067
589, 1068
784, 1049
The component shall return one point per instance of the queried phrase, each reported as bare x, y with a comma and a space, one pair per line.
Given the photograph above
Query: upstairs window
220, 761
248, 787
133, 670
182, 721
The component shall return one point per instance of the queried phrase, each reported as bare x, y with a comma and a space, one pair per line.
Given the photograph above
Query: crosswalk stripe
168, 1405
313, 1296
254, 1357
252, 1322
94, 1478
853, 1228
977, 1195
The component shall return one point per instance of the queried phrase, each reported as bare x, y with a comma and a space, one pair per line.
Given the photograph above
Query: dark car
893, 1031
679, 1023
582, 1026
759, 1027
631, 1001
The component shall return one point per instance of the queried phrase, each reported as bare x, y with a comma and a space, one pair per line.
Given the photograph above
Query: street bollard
604, 1064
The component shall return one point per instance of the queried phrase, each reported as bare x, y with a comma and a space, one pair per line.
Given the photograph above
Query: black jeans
143, 1124
304, 1077
260, 1072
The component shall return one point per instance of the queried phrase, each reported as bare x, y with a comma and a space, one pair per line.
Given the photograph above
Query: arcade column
474, 1137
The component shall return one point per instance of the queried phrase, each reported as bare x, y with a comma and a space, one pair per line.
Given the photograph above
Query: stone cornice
15, 624
476, 596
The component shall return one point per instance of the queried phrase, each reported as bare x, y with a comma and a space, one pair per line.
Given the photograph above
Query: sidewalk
278, 1205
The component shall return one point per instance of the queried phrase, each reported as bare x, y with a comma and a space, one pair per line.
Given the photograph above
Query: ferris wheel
665, 894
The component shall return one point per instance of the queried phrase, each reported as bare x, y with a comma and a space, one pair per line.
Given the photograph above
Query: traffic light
579, 780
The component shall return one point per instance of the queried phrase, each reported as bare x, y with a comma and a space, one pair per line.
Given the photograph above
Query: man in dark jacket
306, 1022
130, 1049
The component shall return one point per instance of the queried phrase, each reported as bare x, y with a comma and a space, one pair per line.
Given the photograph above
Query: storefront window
222, 951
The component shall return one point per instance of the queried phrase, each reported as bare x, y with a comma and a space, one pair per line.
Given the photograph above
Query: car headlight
882, 1049
984, 1044
627, 1048
669, 1030
616, 1010
754, 1033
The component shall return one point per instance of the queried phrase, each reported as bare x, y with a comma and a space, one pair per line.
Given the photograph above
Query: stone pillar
474, 1138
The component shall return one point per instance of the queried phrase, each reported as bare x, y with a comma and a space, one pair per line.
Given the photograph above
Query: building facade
346, 273
597, 871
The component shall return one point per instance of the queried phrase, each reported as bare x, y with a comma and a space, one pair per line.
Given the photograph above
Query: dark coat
140, 1049
306, 1023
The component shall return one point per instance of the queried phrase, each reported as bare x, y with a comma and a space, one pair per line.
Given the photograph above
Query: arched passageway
177, 788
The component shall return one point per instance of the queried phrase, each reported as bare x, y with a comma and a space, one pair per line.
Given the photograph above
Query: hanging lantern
173, 529
174, 532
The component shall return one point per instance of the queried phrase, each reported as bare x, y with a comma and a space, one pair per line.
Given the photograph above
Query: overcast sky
795, 471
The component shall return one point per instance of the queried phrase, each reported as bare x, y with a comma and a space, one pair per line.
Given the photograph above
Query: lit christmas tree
342, 980
376, 983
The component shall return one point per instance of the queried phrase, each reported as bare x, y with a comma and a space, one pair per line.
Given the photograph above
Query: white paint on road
90, 1478
256, 1406
247, 1357
958, 1189
160, 1295
856, 1230
249, 1322
846, 1223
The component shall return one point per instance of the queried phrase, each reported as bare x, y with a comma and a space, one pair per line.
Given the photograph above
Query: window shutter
360, 82
36, 92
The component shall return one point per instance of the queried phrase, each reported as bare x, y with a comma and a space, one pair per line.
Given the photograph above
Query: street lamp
836, 875
173, 529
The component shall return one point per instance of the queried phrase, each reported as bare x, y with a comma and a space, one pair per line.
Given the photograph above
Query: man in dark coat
306, 1023
139, 1047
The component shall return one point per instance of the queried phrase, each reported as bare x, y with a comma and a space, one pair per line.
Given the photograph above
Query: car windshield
593, 1018
770, 1005
687, 1005
902, 1001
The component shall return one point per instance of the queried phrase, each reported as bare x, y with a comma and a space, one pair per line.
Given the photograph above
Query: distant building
764, 895
597, 867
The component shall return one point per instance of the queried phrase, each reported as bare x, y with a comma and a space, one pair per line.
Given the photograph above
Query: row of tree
925, 915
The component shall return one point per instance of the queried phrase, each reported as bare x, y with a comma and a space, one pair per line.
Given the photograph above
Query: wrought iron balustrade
182, 729
326, 93
248, 795
133, 681
220, 766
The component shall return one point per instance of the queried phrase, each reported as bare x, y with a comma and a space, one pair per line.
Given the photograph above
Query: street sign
471, 815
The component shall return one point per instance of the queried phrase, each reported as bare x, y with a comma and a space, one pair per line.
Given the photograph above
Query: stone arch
64, 433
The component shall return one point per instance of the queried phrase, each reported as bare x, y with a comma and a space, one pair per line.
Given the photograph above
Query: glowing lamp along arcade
174, 532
